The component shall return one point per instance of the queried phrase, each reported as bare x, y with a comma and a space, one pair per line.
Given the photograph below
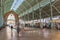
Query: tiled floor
40, 35
36, 34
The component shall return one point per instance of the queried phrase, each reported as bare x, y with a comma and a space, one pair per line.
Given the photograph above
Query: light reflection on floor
36, 34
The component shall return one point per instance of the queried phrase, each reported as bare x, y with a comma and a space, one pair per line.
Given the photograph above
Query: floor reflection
34, 34
14, 37
38, 34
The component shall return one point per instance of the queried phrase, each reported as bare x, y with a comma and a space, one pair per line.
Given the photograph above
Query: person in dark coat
11, 27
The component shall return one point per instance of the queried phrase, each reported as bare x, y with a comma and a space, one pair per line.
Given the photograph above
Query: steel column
1, 16
40, 13
51, 12
32, 10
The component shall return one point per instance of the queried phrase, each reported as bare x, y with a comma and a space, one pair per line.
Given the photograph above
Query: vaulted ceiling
30, 8
6, 5
26, 5
45, 11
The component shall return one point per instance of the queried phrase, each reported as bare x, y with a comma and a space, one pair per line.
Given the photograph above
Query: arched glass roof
28, 7
16, 4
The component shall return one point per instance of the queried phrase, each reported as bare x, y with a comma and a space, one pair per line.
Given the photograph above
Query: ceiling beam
36, 7
56, 9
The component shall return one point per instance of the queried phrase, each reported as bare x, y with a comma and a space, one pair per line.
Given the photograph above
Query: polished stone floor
36, 34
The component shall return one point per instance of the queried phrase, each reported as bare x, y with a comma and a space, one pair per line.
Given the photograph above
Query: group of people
50, 26
45, 25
